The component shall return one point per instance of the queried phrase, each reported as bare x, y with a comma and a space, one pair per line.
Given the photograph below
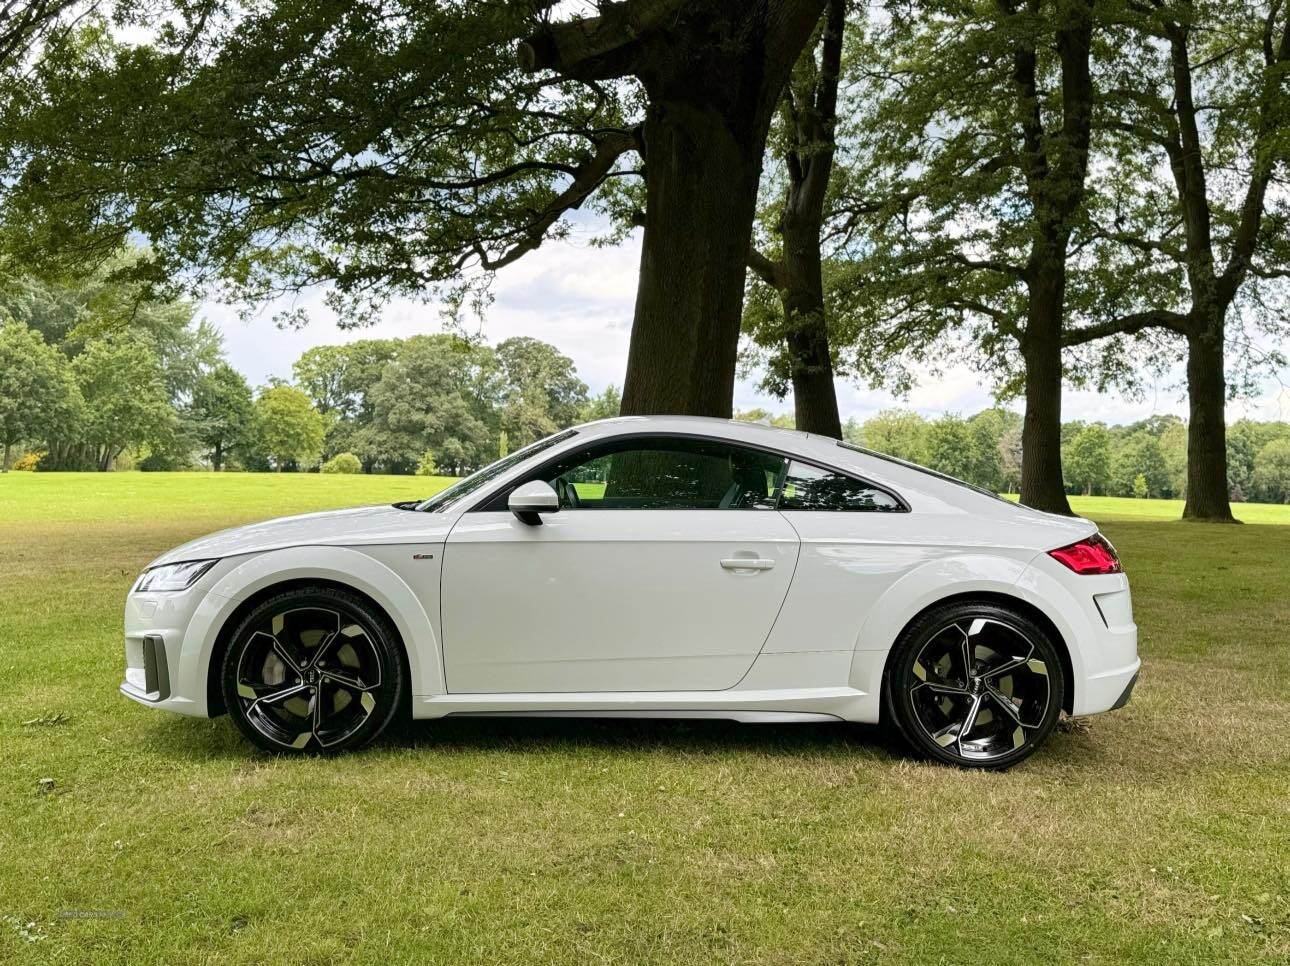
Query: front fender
919, 589
340, 565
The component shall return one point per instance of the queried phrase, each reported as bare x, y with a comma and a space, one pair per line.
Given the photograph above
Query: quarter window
667, 474
808, 487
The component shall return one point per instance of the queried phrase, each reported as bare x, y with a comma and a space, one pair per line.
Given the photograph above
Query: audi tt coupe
664, 567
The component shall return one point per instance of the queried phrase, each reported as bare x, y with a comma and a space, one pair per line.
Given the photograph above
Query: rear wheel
975, 685
313, 669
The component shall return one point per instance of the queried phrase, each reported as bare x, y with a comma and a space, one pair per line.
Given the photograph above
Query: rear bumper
1126, 694
1107, 691
1094, 615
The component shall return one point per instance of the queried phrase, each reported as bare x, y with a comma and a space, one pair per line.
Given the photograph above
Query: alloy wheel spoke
1009, 665
251, 692
328, 641
969, 722
316, 703
345, 681
967, 651
277, 647
1006, 704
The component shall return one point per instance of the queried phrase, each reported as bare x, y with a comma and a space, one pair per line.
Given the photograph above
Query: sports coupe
666, 567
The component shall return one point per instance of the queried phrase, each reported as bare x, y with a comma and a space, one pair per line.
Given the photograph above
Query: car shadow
208, 740
635, 734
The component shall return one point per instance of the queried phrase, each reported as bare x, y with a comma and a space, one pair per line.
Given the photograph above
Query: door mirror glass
528, 500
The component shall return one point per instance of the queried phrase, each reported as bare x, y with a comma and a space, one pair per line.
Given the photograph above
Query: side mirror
531, 500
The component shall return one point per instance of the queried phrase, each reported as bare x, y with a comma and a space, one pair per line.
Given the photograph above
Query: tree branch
768, 271
594, 46
590, 174
1126, 325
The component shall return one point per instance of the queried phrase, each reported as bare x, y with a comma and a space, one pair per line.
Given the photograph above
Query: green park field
1159, 833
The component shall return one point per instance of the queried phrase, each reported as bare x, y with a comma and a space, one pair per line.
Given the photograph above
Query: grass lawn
1159, 833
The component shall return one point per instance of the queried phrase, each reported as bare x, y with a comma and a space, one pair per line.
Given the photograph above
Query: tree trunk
218, 457
701, 190
815, 400
1042, 486
5, 464
1207, 493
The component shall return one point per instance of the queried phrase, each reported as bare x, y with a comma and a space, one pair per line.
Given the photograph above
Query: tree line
1059, 191
100, 377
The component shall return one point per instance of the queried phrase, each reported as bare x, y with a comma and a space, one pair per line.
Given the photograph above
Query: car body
651, 567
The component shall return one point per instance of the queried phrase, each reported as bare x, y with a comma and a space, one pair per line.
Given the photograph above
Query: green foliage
126, 404
1140, 489
38, 397
375, 148
1246, 440
440, 393
1272, 472
540, 390
897, 432
1138, 455
766, 417
220, 414
1087, 460
288, 430
426, 466
605, 406
343, 463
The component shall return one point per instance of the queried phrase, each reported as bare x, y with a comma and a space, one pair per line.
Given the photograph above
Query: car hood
360, 526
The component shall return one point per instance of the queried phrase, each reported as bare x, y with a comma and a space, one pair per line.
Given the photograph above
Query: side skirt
786, 705
746, 717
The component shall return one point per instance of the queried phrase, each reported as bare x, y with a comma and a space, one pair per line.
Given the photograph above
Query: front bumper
159, 672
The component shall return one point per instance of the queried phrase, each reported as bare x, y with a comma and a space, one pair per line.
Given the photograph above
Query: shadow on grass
1070, 751
218, 739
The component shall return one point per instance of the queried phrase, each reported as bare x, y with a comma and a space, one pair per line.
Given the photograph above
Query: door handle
747, 563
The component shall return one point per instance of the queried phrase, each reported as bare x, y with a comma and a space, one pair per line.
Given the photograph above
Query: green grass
1121, 508
1157, 833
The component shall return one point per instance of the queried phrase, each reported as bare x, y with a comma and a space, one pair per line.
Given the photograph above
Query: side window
810, 488
667, 474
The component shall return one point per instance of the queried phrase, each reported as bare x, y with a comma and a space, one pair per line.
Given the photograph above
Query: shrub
343, 463
1140, 490
427, 465
27, 462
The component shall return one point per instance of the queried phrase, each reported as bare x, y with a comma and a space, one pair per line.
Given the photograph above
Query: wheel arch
214, 691
1000, 599
262, 575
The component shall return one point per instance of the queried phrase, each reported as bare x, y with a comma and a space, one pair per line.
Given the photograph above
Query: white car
669, 567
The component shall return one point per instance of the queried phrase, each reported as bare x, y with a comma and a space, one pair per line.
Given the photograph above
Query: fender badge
423, 556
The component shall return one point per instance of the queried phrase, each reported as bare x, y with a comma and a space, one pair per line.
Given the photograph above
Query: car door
663, 570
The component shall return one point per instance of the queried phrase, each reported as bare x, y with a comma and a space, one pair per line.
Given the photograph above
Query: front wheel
975, 685
313, 669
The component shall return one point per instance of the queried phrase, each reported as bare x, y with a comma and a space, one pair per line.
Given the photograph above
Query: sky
580, 300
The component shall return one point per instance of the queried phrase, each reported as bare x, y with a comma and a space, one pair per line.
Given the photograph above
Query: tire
1009, 696
313, 670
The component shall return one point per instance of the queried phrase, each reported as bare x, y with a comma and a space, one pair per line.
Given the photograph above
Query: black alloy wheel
975, 685
314, 669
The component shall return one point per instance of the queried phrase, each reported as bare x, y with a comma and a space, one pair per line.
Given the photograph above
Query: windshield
445, 499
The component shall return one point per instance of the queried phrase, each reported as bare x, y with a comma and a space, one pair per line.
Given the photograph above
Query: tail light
1092, 556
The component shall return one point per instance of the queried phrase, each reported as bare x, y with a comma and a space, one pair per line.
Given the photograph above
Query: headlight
175, 576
